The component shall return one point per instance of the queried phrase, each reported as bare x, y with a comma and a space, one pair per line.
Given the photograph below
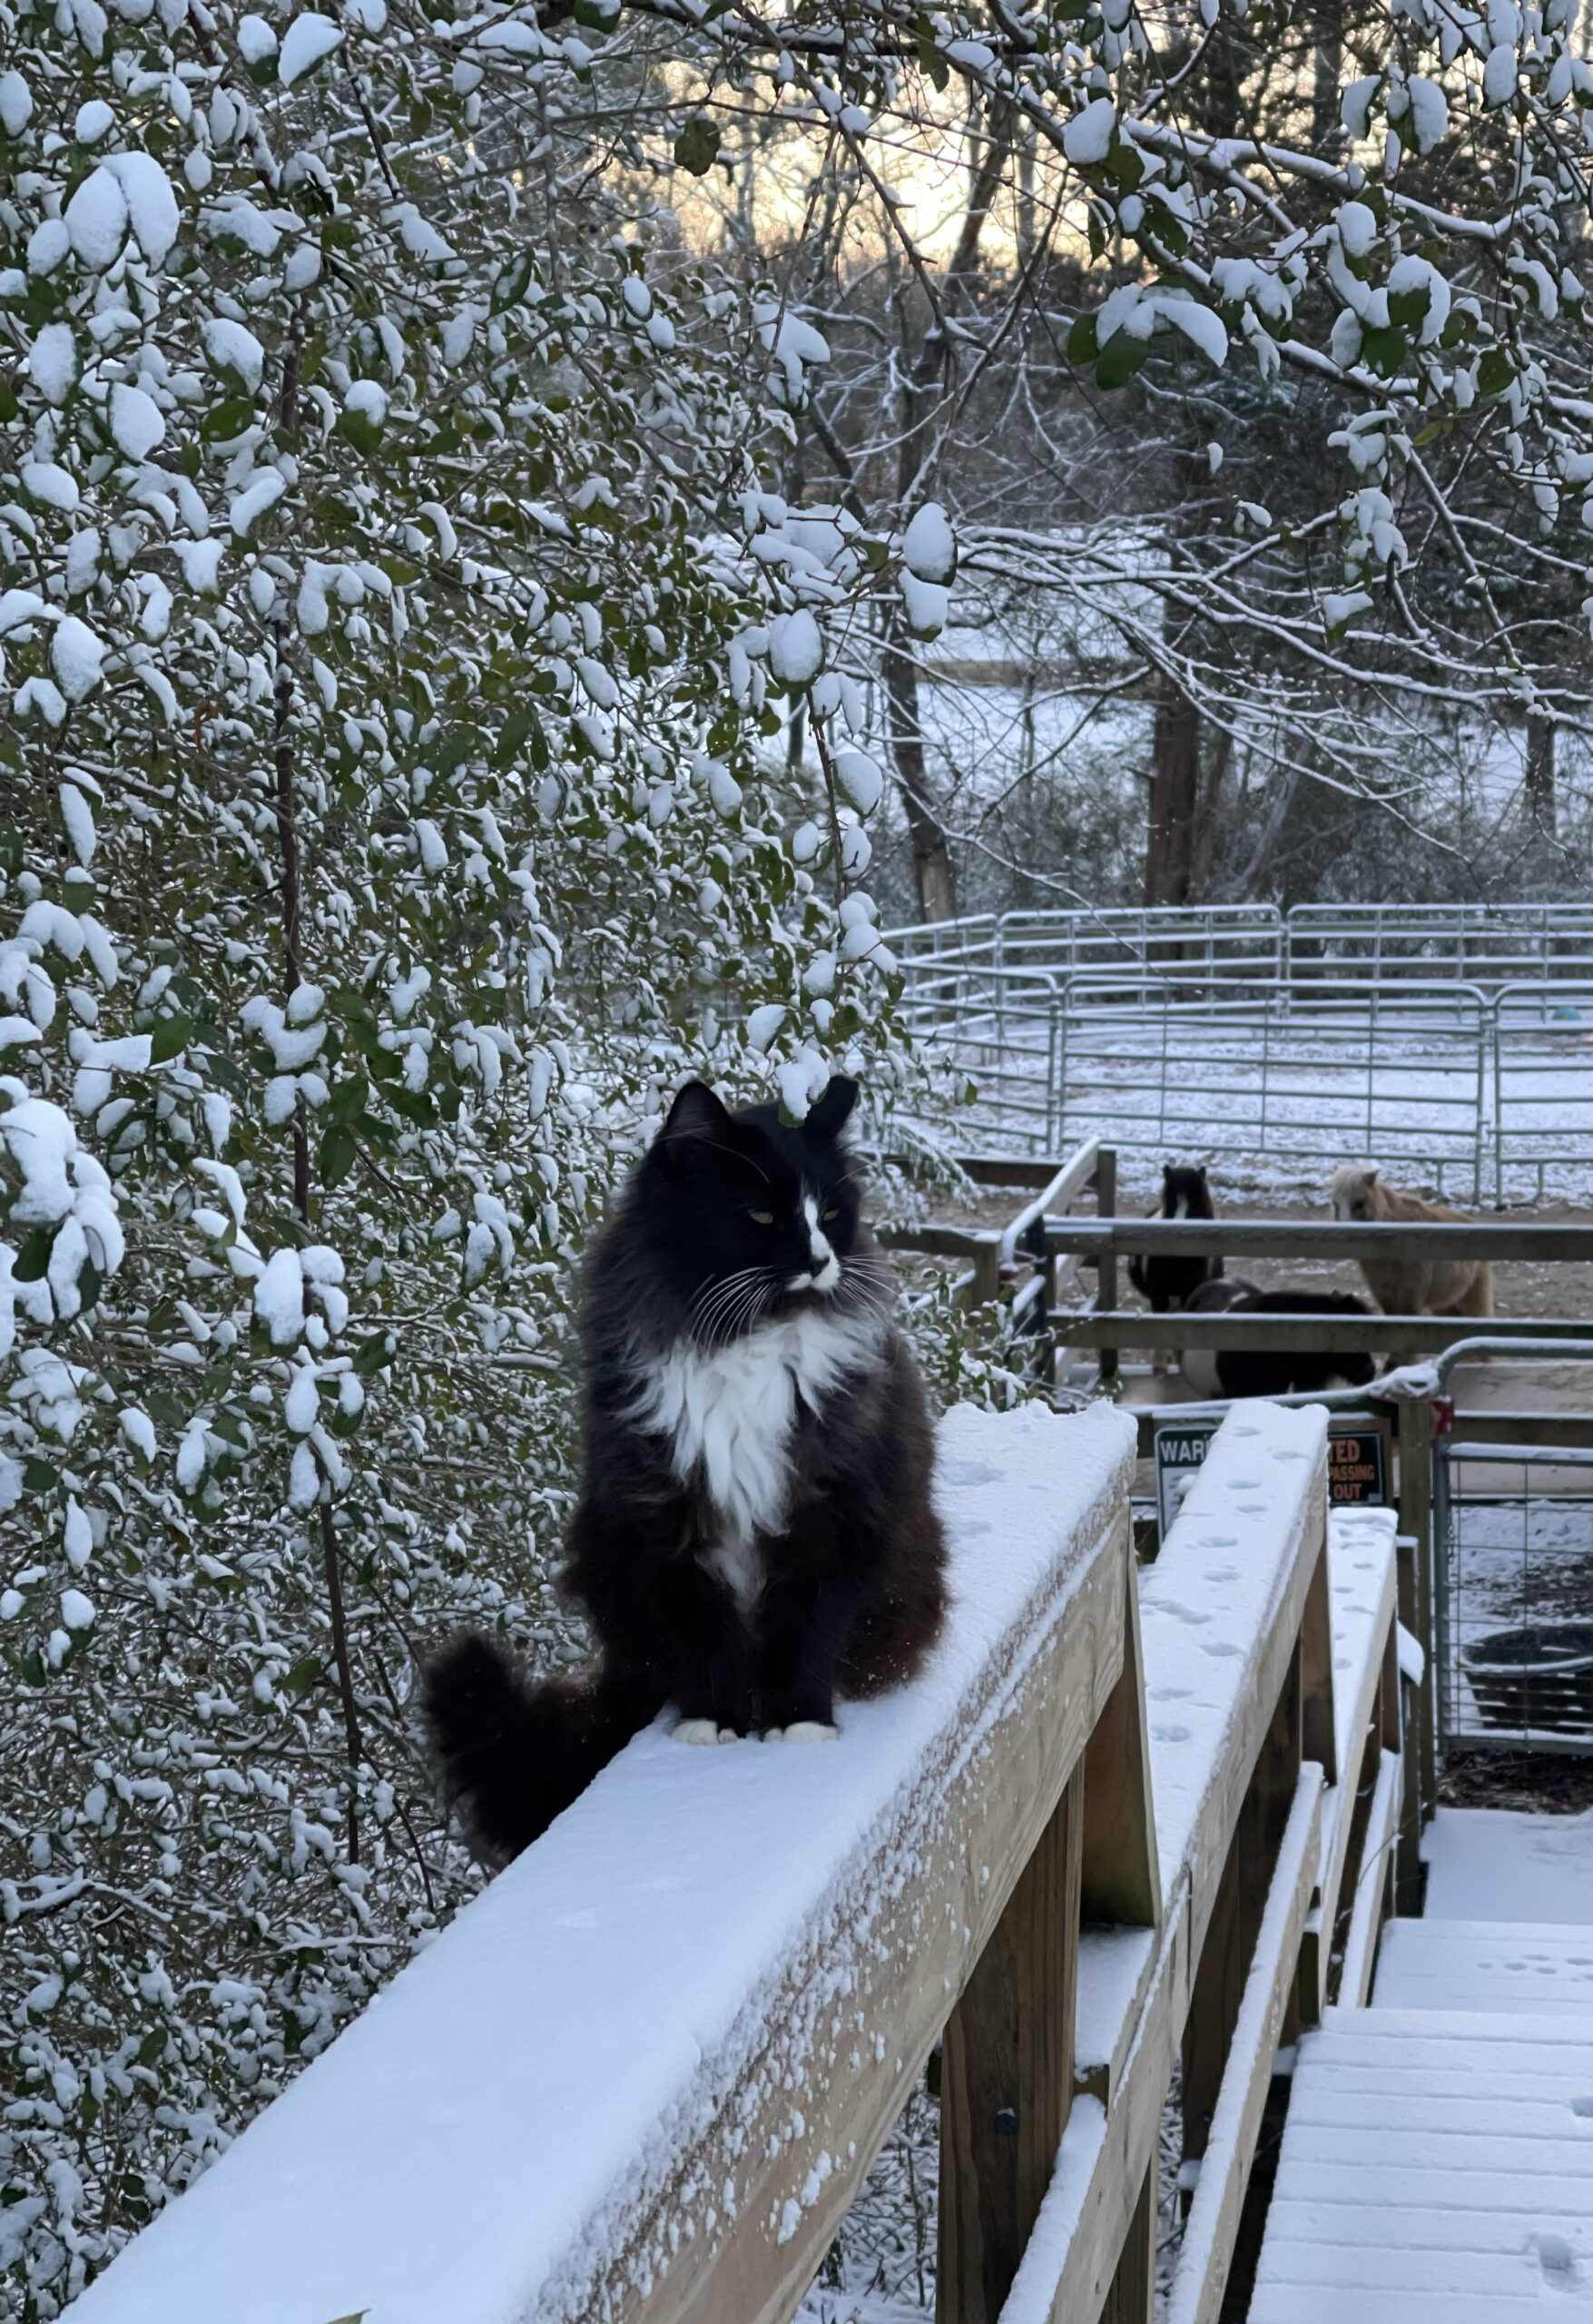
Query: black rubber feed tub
1540, 1676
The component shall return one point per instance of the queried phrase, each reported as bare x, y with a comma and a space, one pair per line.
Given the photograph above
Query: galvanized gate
1512, 1542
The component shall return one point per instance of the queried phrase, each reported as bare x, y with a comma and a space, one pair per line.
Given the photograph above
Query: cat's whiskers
729, 1304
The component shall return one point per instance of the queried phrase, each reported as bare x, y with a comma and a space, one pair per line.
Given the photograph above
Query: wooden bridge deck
1437, 2165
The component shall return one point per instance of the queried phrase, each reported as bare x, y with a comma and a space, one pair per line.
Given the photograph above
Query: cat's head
757, 1217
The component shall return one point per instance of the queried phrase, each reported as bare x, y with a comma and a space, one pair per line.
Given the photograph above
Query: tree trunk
1541, 803
931, 857
932, 854
1169, 850
1327, 76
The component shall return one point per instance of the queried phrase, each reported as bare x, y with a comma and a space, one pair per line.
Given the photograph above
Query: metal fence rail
1484, 1087
1513, 1638
1477, 944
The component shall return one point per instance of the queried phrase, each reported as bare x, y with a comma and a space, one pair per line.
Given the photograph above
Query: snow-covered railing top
644, 2072
639, 2080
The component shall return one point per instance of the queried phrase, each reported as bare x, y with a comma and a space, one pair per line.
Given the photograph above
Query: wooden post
1107, 1275
986, 1271
1408, 1861
1132, 2299
1007, 2076
1319, 1734
1416, 1520
1236, 1922
1121, 1878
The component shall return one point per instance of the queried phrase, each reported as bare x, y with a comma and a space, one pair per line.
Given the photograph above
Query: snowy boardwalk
641, 2078
1437, 2165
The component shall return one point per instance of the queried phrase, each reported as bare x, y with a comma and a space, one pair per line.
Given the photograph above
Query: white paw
811, 1730
701, 1730
773, 1734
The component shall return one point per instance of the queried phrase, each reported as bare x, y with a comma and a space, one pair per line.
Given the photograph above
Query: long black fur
853, 1591
1168, 1282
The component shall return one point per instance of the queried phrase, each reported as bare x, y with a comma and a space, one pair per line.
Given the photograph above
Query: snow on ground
1495, 1864
1272, 1091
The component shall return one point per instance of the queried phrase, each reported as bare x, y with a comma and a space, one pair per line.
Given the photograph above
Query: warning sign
1357, 1463
1356, 1466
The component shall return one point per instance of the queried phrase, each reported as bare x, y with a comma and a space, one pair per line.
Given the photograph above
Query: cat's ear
696, 1115
828, 1117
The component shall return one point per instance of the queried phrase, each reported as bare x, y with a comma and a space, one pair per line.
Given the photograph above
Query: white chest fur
729, 1414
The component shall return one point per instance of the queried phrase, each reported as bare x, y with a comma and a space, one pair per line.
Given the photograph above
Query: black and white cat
754, 1530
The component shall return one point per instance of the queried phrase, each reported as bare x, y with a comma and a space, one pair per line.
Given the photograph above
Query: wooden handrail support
639, 2080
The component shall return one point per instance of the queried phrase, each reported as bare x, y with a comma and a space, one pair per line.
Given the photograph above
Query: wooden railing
1119, 1823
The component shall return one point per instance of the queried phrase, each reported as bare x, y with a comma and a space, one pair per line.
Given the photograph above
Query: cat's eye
834, 1211
762, 1217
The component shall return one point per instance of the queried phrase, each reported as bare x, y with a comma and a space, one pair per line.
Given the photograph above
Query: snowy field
1277, 1092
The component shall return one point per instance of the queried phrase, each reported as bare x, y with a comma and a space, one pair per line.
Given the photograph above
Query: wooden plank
1373, 1334
1132, 2298
1407, 1882
1107, 1277
1415, 1488
1371, 1885
1318, 1722
1122, 1879
1007, 2076
1219, 1811
1574, 1430
926, 1951
1226, 1956
1275, 1238
1095, 2192
1362, 1635
1075, 1175
1207, 2249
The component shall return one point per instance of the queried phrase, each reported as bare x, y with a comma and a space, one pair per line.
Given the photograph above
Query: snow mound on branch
151, 206
1088, 135
52, 362
96, 220
135, 422
256, 40
230, 347
307, 43
929, 545
76, 656
796, 649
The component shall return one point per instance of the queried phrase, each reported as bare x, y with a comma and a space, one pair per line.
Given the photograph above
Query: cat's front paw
811, 1730
705, 1730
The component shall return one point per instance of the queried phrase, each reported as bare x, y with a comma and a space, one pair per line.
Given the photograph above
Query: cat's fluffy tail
512, 1754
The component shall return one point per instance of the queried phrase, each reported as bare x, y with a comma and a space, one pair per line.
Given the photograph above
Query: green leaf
696, 148
1121, 357
38, 1476
227, 420
348, 1099
303, 1675
1384, 350
1082, 346
152, 2047
339, 1151
1124, 165
1433, 430
1495, 372
35, 1254
362, 431
1410, 305
170, 1037
371, 1354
